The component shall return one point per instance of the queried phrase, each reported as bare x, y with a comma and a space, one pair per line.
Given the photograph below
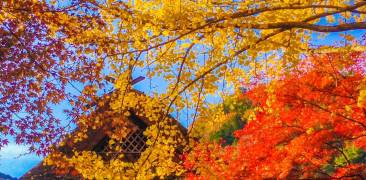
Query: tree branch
308, 26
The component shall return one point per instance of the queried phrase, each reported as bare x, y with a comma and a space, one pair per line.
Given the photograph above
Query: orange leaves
54, 52
313, 117
351, 171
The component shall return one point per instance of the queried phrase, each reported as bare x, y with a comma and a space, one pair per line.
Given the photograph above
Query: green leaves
226, 134
234, 110
350, 154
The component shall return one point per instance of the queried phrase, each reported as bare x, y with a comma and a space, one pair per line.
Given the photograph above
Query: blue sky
14, 161
12, 164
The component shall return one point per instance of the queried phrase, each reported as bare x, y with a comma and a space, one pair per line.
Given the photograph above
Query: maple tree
37, 66
310, 124
93, 47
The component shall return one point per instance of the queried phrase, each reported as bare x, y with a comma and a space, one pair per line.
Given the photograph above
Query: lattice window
131, 146
135, 142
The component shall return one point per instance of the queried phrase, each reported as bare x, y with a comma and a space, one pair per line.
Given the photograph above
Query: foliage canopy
76, 51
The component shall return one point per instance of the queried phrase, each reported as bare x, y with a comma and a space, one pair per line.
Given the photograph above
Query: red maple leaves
37, 69
307, 125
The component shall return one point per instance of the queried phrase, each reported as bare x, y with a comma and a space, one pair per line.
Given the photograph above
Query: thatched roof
90, 143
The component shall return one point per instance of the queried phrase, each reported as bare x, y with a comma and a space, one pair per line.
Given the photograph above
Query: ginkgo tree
74, 50
194, 45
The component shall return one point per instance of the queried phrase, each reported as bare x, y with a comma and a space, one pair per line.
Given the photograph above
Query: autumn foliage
310, 124
62, 61
37, 66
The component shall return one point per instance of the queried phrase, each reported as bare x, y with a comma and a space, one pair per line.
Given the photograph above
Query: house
132, 145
